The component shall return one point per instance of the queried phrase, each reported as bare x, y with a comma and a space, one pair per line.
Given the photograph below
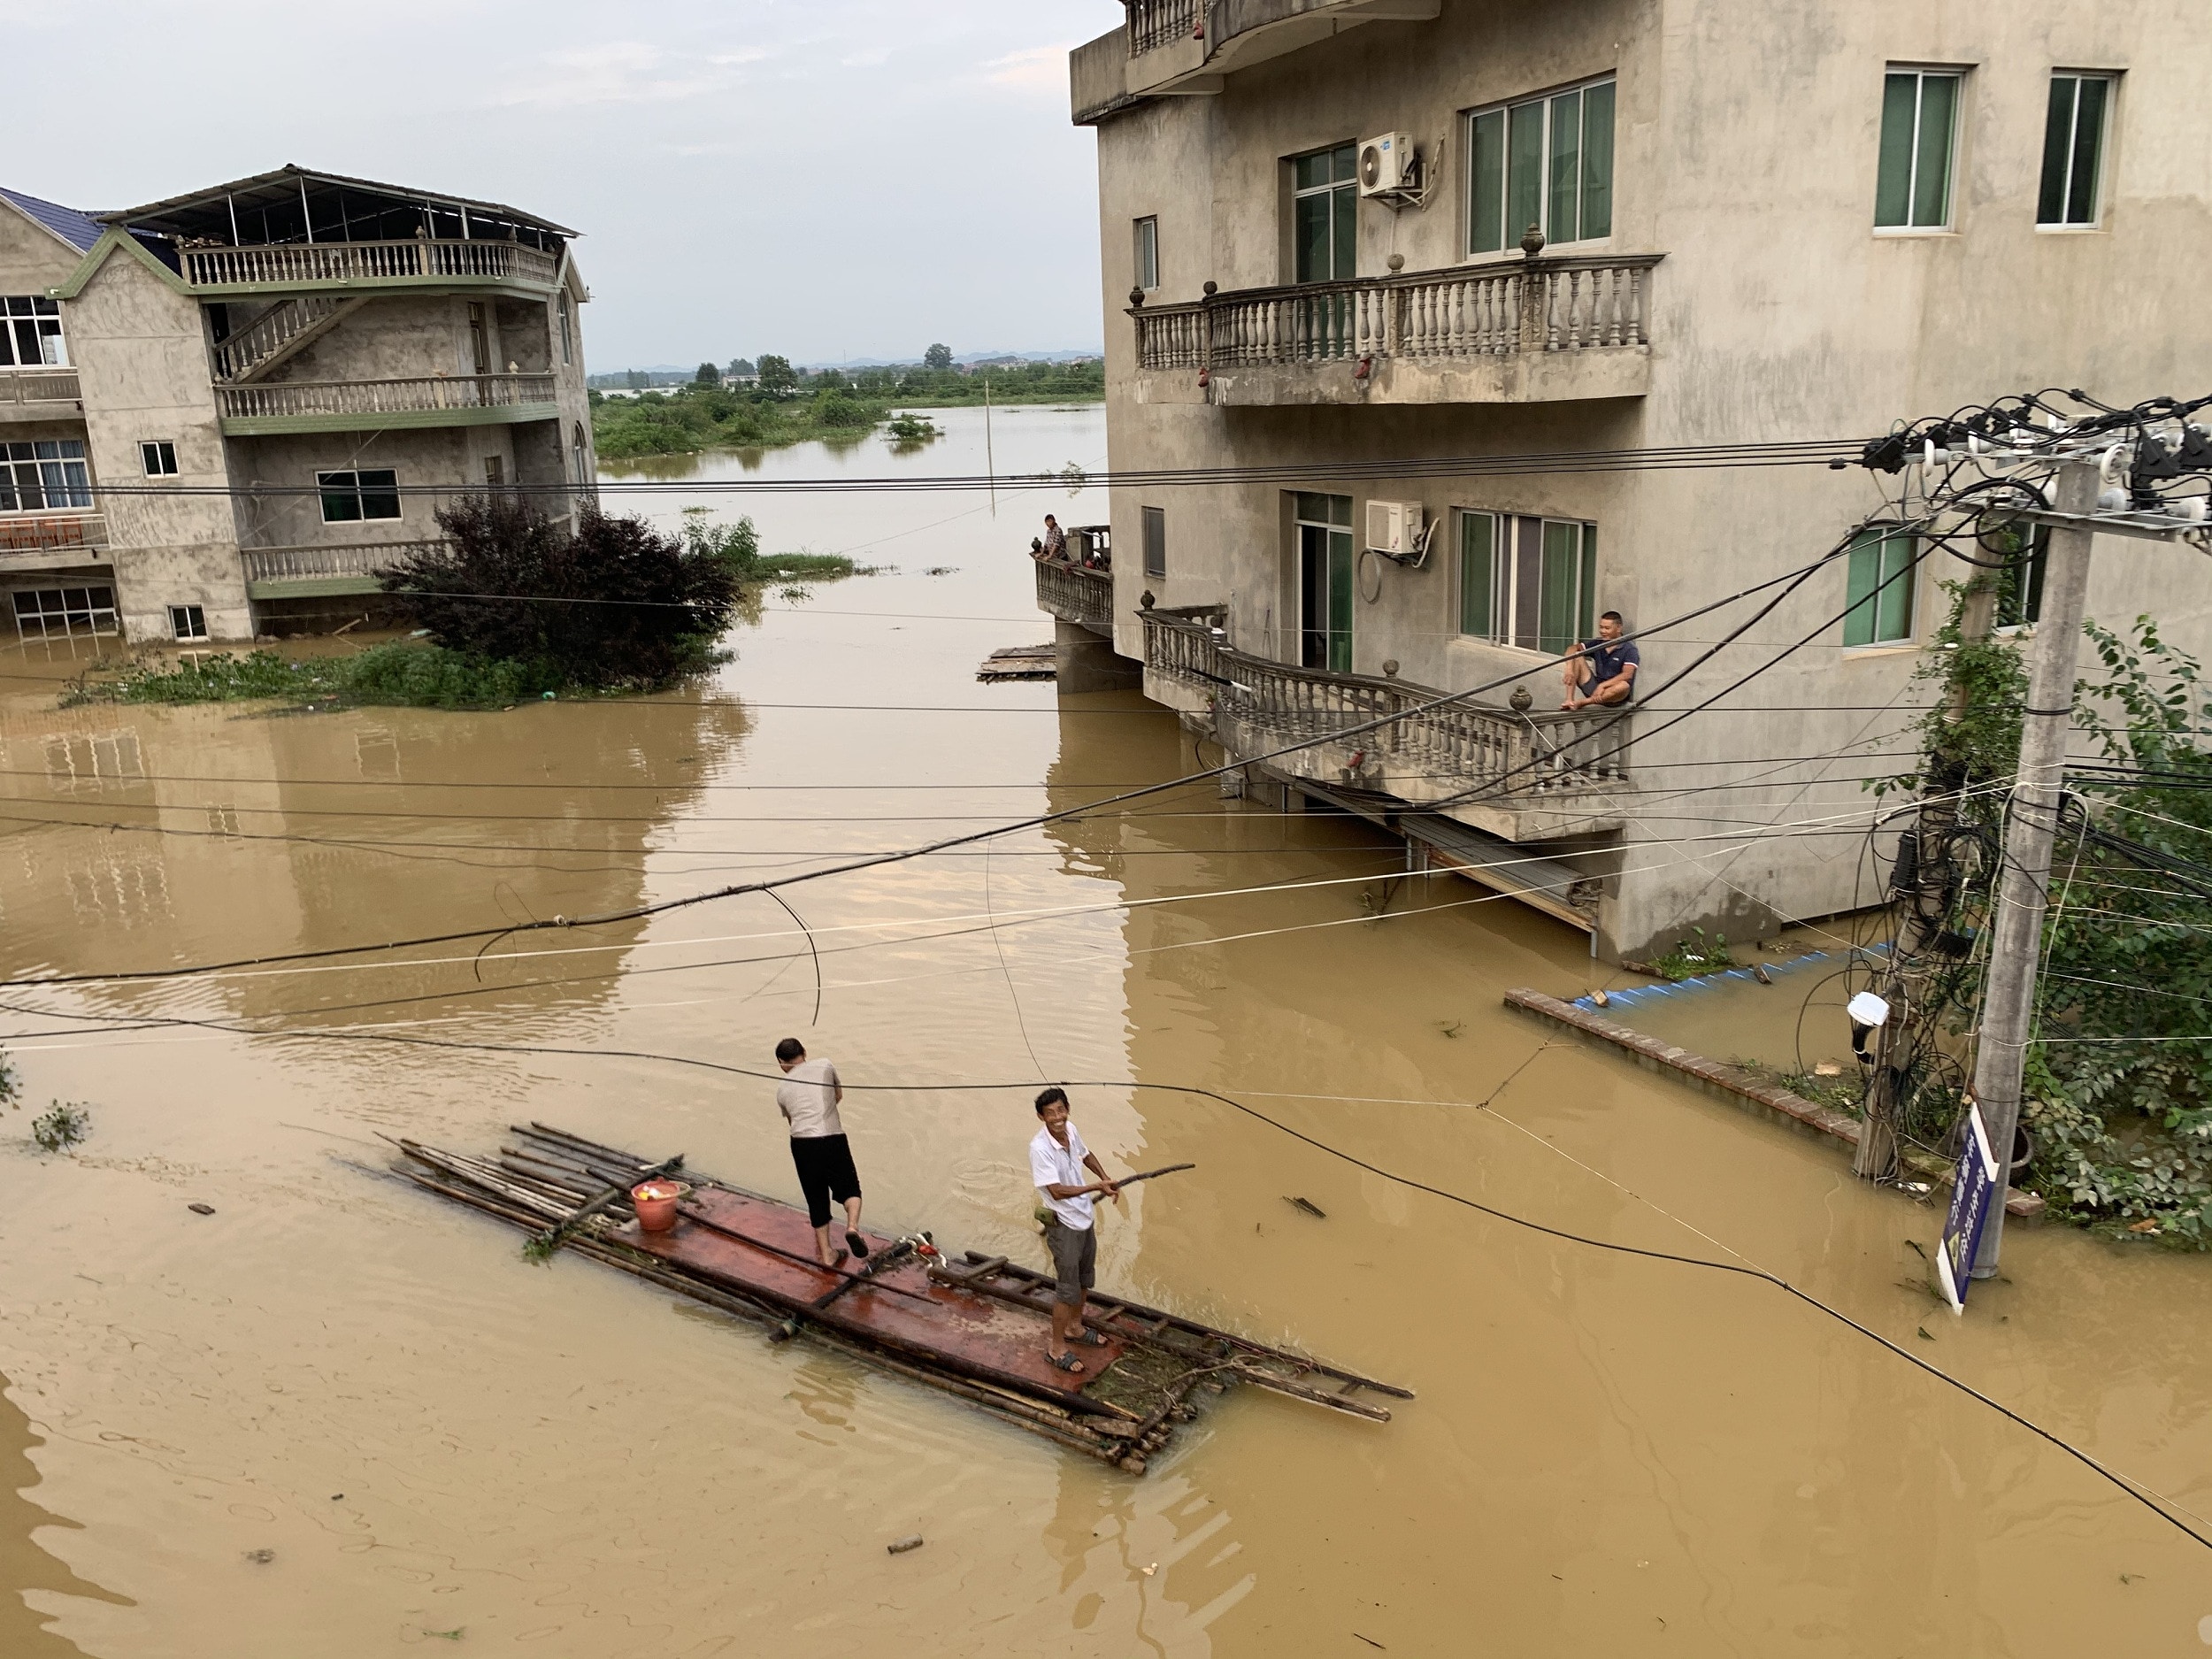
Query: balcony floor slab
497, 415
1533, 377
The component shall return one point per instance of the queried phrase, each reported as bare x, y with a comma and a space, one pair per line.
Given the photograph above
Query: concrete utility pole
2023, 893
1897, 1045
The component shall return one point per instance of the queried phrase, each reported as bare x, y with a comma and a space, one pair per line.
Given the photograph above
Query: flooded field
337, 1416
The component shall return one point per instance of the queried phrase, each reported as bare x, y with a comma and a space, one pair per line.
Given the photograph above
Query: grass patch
400, 674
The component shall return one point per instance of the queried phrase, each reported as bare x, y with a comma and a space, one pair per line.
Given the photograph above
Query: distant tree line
765, 401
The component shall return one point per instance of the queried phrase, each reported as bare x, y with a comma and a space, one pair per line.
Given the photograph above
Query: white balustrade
428, 258
1431, 316
414, 395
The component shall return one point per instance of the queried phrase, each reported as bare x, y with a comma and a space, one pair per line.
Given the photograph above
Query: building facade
220, 410
1398, 234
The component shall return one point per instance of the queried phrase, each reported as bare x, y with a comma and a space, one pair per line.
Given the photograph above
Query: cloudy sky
827, 178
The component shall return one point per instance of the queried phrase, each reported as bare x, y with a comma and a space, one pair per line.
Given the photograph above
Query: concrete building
1354, 235
295, 354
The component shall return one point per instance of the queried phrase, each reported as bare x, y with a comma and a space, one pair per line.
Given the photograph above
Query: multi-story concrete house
1359, 233
217, 409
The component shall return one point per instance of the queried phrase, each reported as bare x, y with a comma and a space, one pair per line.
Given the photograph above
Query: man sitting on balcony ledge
1055, 544
1603, 669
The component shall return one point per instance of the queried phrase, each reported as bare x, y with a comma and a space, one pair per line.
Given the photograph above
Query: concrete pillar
1082, 661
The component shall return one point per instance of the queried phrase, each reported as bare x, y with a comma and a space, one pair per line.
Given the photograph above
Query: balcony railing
39, 386
1479, 750
60, 533
1542, 305
1076, 595
420, 258
417, 395
1156, 23
361, 559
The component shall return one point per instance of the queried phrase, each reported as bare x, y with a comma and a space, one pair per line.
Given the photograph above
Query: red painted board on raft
766, 1250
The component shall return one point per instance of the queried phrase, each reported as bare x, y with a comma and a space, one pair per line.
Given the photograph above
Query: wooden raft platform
1020, 662
976, 1327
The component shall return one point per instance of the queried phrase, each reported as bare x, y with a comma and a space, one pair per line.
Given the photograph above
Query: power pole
990, 463
1897, 1045
2022, 892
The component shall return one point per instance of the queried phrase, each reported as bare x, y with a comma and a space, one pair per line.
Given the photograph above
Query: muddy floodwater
338, 1416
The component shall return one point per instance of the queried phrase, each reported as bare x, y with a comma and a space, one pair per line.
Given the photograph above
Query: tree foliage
777, 377
2119, 1072
938, 356
614, 604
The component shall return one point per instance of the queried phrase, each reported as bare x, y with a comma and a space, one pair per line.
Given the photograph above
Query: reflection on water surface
426, 1435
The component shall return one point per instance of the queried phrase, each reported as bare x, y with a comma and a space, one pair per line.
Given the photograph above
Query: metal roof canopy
294, 204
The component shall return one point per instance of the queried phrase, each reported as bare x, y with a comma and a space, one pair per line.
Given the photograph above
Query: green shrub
617, 604
62, 1128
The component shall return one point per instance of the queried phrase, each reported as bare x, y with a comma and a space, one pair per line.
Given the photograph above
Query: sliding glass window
1878, 587
2073, 149
1527, 582
1912, 188
1546, 162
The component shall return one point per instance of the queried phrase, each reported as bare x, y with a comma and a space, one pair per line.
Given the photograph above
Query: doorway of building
1323, 529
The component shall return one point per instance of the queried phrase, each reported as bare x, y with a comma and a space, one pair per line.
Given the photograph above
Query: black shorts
825, 1164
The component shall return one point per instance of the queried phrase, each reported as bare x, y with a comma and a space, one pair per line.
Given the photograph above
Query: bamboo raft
976, 1328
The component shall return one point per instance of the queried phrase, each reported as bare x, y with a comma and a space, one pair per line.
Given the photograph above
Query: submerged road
337, 1416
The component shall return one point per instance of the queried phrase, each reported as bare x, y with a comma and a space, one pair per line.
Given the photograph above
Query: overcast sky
827, 178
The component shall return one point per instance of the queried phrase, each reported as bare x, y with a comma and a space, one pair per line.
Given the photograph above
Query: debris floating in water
201, 1209
1308, 1205
899, 1546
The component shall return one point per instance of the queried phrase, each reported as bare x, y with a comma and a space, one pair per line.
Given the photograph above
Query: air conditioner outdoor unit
1395, 527
1389, 165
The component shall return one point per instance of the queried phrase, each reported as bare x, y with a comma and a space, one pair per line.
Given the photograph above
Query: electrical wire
1779, 452
2156, 1503
637, 912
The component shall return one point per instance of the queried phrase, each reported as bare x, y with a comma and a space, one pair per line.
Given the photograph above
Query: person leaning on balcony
1603, 669
1056, 542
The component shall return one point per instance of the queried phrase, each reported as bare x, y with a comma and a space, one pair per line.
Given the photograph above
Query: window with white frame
1324, 214
1920, 109
1546, 162
43, 476
1879, 587
568, 346
2073, 149
1526, 580
55, 613
158, 457
188, 622
359, 493
30, 334
1323, 524
1147, 251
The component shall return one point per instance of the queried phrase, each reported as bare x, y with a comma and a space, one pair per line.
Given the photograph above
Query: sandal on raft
1087, 1338
859, 1246
1064, 1362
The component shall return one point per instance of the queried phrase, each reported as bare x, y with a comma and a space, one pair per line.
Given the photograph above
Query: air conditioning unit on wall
1395, 529
1389, 165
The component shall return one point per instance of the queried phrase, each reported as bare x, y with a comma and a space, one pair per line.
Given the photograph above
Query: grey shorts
1075, 1259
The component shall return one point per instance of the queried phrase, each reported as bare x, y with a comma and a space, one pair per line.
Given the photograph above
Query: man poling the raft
1058, 1158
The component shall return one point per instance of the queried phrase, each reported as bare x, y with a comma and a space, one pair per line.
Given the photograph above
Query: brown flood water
431, 1438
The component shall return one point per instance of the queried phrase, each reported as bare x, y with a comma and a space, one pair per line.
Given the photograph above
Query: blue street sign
1972, 1185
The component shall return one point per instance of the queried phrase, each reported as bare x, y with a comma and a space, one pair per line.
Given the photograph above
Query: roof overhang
214, 211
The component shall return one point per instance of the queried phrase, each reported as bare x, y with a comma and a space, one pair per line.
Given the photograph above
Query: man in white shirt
809, 1098
1058, 1158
